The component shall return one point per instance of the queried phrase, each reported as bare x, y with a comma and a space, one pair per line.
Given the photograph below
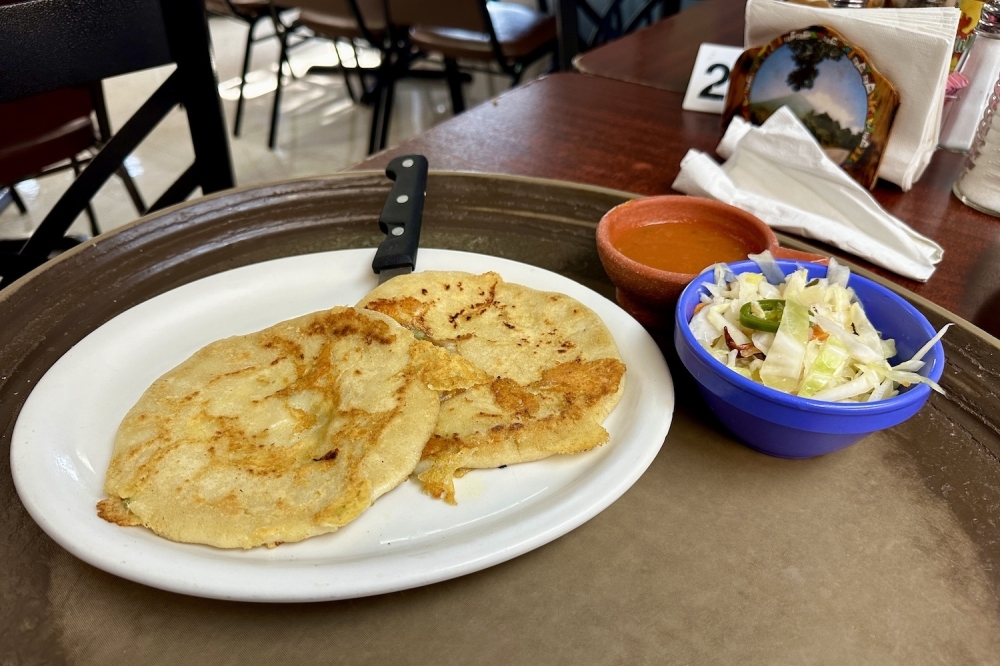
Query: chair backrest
27, 122
48, 45
372, 11
459, 14
368, 15
231, 9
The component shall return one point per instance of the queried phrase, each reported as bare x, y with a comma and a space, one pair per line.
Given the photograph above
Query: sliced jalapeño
773, 310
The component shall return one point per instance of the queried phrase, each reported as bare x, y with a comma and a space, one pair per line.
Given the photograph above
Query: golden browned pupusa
282, 434
554, 371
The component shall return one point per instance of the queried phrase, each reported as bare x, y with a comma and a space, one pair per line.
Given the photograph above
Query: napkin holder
830, 85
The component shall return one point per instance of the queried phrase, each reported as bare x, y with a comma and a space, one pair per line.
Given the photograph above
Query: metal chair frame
377, 84
251, 22
8, 196
77, 163
613, 23
284, 33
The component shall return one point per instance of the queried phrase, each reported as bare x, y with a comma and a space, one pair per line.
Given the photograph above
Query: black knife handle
401, 215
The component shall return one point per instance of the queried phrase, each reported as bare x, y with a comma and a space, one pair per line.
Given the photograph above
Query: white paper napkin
910, 47
779, 173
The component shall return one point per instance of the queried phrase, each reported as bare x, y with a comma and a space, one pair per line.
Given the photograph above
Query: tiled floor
320, 130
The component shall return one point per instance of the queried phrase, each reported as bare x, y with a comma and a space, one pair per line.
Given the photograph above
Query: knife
400, 218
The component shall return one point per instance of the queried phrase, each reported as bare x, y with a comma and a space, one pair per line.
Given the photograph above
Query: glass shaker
978, 184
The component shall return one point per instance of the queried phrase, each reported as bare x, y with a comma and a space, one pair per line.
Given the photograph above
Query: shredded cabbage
825, 347
782, 367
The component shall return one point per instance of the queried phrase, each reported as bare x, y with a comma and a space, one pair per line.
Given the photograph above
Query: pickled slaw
806, 337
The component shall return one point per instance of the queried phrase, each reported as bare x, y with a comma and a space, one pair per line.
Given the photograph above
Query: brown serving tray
885, 552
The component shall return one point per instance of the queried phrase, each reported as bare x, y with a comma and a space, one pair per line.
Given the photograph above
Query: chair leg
282, 59
10, 196
347, 83
133, 191
376, 129
238, 122
347, 78
390, 70
454, 85
389, 93
5, 199
368, 93
381, 96
94, 229
17, 200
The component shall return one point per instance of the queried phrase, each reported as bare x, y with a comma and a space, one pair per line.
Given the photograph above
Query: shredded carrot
698, 307
818, 333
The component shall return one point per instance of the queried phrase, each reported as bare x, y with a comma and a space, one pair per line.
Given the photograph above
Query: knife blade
401, 217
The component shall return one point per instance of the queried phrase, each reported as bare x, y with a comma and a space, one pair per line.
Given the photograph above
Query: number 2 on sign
709, 82
707, 91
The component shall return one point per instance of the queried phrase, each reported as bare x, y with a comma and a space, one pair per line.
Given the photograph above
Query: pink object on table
956, 81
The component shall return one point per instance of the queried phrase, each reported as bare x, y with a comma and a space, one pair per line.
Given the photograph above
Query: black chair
363, 22
326, 19
508, 35
351, 21
8, 196
53, 132
57, 44
249, 12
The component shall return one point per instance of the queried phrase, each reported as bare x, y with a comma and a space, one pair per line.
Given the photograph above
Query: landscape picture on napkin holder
830, 85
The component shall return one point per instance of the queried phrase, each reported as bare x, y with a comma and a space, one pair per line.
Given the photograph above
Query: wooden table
602, 131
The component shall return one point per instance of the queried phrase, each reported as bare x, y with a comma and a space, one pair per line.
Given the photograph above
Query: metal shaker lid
989, 20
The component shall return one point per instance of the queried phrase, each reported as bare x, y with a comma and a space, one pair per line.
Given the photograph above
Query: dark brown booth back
460, 14
372, 11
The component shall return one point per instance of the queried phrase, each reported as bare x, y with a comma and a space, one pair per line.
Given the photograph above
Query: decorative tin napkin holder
830, 85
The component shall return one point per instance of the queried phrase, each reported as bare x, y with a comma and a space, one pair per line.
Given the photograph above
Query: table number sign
709, 81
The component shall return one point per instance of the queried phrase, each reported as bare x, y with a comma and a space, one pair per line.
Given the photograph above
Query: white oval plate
63, 438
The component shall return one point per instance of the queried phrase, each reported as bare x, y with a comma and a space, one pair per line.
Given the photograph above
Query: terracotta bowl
650, 294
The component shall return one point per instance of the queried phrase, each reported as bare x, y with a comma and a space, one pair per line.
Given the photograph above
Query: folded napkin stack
779, 172
910, 47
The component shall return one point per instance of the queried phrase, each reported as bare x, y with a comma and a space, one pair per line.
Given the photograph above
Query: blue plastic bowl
787, 426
